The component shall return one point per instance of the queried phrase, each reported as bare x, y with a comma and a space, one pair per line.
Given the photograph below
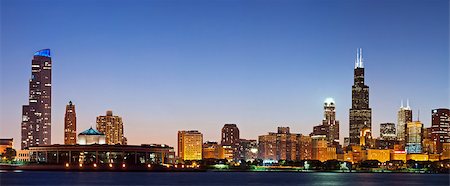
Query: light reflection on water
219, 178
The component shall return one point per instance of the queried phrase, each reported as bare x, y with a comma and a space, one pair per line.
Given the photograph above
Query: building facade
37, 115
329, 126
112, 127
404, 116
230, 137
70, 125
190, 145
360, 112
248, 150
440, 127
387, 131
210, 150
90, 137
414, 141
282, 145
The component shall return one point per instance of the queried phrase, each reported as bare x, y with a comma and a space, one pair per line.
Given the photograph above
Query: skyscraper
440, 127
404, 116
230, 135
387, 131
360, 113
190, 145
37, 115
329, 126
70, 125
414, 139
112, 127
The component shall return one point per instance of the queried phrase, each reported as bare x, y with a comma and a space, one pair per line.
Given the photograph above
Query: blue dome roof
91, 131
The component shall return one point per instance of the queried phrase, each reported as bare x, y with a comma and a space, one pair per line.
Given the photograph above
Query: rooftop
43, 52
91, 131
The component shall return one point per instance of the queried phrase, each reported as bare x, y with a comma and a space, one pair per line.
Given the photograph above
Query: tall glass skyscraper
360, 113
37, 115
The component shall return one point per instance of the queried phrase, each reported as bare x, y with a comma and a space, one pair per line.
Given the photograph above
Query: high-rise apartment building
112, 127
282, 145
404, 116
305, 147
360, 113
440, 127
70, 125
190, 145
248, 150
230, 137
329, 126
37, 115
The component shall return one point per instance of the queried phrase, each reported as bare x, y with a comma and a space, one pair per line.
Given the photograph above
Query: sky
165, 66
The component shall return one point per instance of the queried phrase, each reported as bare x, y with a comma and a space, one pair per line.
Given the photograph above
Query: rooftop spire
401, 104
359, 59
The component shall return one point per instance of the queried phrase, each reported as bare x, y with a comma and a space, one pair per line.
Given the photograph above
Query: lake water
218, 178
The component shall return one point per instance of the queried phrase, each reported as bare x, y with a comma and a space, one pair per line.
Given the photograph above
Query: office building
360, 112
305, 147
37, 116
210, 150
414, 140
190, 145
329, 126
404, 116
70, 125
282, 145
112, 127
248, 150
387, 131
230, 137
440, 127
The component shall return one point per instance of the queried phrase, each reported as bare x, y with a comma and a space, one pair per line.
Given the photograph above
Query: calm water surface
218, 178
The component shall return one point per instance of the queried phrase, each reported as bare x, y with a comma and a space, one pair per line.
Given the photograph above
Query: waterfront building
387, 131
230, 137
91, 136
329, 126
404, 116
445, 151
107, 156
378, 154
267, 147
70, 125
22, 156
398, 155
112, 127
190, 145
360, 112
305, 147
210, 150
428, 144
440, 127
226, 152
278, 146
37, 115
414, 137
248, 150
5, 144
320, 149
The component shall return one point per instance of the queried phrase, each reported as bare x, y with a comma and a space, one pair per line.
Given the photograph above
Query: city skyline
287, 104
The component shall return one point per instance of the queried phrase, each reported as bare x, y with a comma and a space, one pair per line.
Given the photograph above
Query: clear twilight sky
165, 66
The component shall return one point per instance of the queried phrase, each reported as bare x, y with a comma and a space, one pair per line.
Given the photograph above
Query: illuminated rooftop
43, 52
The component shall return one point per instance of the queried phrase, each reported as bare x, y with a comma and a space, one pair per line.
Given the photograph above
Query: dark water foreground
218, 178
